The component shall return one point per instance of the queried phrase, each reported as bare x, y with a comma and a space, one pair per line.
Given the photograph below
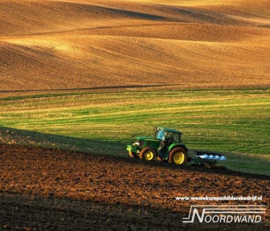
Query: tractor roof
169, 130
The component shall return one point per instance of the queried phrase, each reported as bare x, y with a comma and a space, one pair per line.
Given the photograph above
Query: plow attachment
204, 157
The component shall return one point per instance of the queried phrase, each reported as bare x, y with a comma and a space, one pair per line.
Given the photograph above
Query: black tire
178, 155
147, 154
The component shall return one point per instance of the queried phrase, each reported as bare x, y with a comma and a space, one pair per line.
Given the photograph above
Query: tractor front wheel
133, 154
147, 154
178, 155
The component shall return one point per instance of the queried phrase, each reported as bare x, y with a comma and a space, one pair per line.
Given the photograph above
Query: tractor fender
177, 145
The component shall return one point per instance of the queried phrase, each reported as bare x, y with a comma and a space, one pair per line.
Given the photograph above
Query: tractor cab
168, 135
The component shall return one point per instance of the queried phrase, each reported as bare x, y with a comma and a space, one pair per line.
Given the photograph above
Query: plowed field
47, 189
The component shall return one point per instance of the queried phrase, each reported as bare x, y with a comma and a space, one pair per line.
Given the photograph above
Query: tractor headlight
136, 143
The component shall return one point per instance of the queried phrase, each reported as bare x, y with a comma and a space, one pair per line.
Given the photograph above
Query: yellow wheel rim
178, 158
148, 155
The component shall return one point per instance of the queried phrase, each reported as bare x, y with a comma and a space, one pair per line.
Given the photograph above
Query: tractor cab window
160, 135
177, 138
168, 136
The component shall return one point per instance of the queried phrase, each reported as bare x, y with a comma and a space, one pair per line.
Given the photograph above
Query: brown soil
47, 189
72, 44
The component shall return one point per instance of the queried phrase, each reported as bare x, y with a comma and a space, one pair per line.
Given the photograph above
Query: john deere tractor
167, 146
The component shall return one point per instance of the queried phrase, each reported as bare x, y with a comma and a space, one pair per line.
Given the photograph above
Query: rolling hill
47, 45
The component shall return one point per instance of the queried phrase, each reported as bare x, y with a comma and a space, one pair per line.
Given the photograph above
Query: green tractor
167, 146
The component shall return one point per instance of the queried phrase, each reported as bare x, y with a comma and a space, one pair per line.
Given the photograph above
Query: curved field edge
233, 122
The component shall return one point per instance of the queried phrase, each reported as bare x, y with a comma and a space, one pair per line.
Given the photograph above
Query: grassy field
234, 122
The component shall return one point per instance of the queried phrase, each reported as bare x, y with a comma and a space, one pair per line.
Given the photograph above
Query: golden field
50, 45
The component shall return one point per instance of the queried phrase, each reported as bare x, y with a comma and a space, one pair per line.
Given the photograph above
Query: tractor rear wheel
178, 155
147, 154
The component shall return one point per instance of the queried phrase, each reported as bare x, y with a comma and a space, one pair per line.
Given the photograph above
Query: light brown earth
46, 189
101, 43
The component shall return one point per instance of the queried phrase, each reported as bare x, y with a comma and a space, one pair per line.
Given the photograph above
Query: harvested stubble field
46, 189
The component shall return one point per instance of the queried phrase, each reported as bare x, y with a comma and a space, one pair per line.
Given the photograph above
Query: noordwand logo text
225, 214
